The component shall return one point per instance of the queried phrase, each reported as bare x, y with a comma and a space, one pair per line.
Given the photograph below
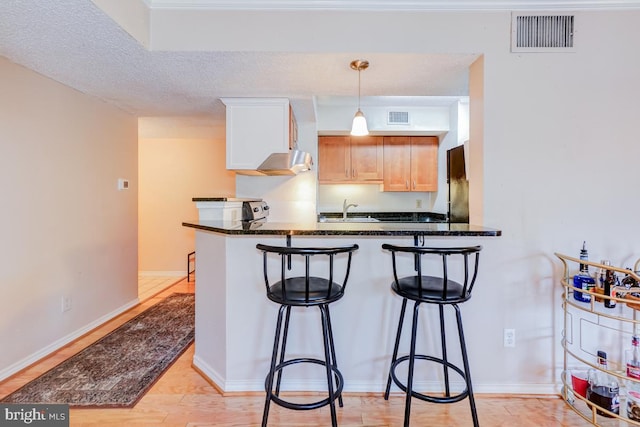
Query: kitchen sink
349, 219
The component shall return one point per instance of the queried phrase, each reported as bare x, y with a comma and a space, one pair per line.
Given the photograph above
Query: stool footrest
427, 398
306, 406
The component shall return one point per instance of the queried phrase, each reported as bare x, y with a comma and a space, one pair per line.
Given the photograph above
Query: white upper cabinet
256, 128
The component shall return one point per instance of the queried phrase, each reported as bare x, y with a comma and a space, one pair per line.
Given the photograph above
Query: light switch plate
123, 184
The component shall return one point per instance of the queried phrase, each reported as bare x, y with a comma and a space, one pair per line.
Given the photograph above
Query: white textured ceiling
75, 43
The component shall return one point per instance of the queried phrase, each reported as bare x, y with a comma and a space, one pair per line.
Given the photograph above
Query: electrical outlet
418, 203
509, 337
66, 303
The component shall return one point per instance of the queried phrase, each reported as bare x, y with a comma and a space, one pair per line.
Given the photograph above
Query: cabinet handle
346, 173
414, 184
354, 173
406, 184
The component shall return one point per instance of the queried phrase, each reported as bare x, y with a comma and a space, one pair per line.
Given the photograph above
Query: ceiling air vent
398, 118
542, 33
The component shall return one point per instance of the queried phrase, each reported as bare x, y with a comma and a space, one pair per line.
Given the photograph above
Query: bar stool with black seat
296, 288
443, 291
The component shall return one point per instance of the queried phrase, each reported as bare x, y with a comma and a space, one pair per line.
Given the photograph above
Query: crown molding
393, 5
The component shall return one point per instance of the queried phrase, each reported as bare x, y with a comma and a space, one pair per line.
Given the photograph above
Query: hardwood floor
183, 398
148, 286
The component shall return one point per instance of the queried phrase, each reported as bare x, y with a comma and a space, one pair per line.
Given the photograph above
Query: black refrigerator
458, 199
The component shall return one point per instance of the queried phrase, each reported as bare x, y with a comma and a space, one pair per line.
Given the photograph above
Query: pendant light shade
359, 126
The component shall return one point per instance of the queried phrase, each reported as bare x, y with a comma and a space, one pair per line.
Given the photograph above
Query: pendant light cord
359, 70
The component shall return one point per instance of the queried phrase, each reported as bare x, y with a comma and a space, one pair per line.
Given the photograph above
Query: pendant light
359, 126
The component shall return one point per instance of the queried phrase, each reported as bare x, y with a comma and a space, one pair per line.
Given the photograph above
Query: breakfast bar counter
235, 321
347, 228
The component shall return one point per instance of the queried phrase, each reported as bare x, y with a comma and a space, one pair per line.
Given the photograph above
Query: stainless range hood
291, 163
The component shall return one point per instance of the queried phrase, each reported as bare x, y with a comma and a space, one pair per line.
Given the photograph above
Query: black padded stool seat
296, 291
429, 289
440, 290
306, 290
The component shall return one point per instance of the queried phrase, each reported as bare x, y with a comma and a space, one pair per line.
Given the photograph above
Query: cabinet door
397, 163
334, 159
424, 163
256, 128
367, 158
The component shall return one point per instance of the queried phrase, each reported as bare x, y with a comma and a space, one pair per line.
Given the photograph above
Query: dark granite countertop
223, 199
388, 216
382, 228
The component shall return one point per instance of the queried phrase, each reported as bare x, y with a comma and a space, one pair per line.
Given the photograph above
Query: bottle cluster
603, 389
605, 282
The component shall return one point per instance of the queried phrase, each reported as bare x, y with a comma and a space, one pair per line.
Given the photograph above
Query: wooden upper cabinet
410, 163
334, 158
350, 159
424, 163
397, 163
367, 158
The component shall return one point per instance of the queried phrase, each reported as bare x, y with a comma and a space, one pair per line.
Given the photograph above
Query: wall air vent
398, 118
549, 32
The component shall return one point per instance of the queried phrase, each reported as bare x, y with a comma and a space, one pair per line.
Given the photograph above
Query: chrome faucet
345, 208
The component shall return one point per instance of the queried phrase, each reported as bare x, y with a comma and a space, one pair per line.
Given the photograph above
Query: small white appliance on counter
254, 210
231, 209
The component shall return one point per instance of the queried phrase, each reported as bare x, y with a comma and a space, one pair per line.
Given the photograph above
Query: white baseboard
56, 345
369, 386
210, 373
537, 388
163, 273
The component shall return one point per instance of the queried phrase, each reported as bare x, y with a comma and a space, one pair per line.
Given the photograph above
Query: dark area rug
116, 371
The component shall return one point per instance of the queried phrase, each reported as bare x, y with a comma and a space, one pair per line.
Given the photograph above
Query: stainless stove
255, 211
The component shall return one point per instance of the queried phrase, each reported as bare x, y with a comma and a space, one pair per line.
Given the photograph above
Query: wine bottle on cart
604, 389
610, 282
582, 279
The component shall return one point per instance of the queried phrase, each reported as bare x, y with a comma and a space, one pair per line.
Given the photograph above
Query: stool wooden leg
274, 357
444, 351
465, 361
328, 362
333, 352
395, 347
284, 346
412, 359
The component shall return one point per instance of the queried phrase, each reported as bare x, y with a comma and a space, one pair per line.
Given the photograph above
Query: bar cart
593, 323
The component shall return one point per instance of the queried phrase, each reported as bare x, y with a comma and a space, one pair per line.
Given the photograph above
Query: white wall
66, 229
179, 158
336, 117
371, 198
288, 197
557, 134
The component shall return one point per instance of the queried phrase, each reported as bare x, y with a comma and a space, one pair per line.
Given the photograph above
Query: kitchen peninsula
235, 321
